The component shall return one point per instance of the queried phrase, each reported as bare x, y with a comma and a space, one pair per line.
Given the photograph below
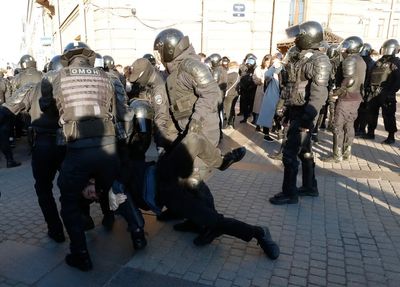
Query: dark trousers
343, 124
298, 144
197, 204
360, 122
5, 130
229, 109
246, 102
81, 164
388, 106
46, 160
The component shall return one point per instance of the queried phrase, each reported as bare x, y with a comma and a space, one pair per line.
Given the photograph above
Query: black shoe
168, 215
139, 240
360, 134
188, 226
281, 198
322, 126
270, 248
268, 138
389, 141
12, 163
240, 114
258, 129
108, 221
206, 237
243, 121
369, 136
79, 260
314, 138
303, 191
231, 157
88, 222
57, 236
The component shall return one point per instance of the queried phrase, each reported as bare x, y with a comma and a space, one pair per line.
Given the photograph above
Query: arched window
296, 13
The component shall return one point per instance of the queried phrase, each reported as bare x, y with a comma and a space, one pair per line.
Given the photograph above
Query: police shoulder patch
158, 99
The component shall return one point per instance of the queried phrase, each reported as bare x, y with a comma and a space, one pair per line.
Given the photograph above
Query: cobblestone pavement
348, 236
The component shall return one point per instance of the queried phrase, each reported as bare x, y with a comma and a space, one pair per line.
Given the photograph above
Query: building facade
126, 29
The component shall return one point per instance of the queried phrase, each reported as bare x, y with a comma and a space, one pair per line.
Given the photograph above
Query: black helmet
151, 58
55, 64
333, 51
143, 115
351, 45
225, 60
46, 67
308, 35
99, 62
109, 63
366, 50
169, 44
215, 59
140, 72
27, 61
75, 49
250, 55
207, 62
390, 47
250, 62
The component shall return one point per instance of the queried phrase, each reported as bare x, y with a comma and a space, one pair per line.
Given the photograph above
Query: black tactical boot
347, 153
369, 136
232, 157
336, 156
57, 236
281, 198
264, 239
88, 222
12, 163
108, 221
138, 239
79, 260
309, 187
390, 139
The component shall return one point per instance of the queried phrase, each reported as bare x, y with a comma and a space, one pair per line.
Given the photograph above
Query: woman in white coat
258, 79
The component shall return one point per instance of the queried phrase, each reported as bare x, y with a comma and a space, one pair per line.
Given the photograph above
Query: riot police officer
47, 152
313, 69
87, 104
350, 80
152, 89
4, 88
385, 82
194, 97
360, 123
247, 88
109, 67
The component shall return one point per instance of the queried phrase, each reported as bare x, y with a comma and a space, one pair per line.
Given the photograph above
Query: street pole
390, 19
202, 27
272, 27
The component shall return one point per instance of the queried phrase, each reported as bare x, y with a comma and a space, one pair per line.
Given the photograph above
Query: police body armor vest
85, 103
297, 96
380, 73
182, 100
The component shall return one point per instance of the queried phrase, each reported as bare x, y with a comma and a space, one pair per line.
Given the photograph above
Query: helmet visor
293, 31
143, 125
